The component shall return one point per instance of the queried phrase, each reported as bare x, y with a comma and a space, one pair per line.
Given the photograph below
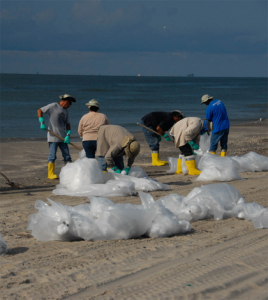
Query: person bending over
113, 143
186, 134
158, 121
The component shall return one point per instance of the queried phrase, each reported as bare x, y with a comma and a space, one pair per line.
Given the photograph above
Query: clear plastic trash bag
251, 162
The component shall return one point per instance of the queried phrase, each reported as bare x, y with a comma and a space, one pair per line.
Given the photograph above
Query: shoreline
76, 138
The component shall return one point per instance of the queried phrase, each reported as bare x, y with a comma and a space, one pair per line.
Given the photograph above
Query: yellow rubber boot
223, 152
212, 152
156, 161
179, 170
51, 174
191, 165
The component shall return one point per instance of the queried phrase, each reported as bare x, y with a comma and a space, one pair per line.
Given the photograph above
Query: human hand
116, 170
159, 138
42, 125
167, 137
193, 145
67, 140
126, 170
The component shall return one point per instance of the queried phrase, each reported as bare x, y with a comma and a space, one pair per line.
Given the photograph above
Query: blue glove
193, 145
159, 138
42, 121
67, 139
167, 137
116, 170
127, 169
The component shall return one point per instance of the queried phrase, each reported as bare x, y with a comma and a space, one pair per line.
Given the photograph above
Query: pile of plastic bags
85, 178
102, 219
3, 246
216, 168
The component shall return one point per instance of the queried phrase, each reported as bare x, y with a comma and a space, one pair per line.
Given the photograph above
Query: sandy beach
226, 259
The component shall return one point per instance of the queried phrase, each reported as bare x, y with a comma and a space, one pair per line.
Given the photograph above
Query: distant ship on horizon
190, 75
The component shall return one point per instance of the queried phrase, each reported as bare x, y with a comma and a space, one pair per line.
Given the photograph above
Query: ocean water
124, 99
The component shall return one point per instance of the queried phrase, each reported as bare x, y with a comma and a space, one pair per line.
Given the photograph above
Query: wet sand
225, 259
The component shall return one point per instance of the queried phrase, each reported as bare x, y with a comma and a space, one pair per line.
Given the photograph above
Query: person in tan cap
58, 123
113, 143
89, 125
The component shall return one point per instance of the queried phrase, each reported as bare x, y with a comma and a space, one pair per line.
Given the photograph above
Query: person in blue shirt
217, 114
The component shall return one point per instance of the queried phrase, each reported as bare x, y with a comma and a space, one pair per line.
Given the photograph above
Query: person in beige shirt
112, 144
186, 134
89, 125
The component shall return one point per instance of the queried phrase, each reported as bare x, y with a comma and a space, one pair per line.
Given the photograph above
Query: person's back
159, 118
90, 124
217, 114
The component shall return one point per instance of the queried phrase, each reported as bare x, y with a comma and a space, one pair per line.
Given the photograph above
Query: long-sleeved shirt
89, 125
109, 143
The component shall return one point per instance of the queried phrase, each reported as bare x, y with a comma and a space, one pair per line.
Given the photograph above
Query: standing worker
58, 123
89, 125
217, 114
186, 134
158, 121
113, 143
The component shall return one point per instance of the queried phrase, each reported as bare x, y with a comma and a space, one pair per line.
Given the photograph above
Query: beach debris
84, 177
12, 184
102, 219
259, 121
3, 246
218, 168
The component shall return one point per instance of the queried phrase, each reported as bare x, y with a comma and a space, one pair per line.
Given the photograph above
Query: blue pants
119, 162
53, 146
220, 136
90, 148
151, 138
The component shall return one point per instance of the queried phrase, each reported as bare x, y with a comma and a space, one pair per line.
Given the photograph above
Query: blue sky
158, 38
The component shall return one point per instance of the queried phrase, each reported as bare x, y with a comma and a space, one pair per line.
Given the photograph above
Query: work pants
119, 162
90, 148
220, 136
53, 146
151, 138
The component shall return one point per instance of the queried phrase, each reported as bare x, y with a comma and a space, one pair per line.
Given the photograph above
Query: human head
66, 101
206, 99
93, 105
177, 115
131, 146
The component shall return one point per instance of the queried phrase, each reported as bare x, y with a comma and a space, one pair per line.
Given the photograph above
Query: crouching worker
186, 134
158, 121
113, 142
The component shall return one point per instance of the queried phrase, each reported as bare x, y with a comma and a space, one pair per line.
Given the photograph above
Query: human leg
187, 151
102, 162
65, 152
51, 160
119, 162
153, 142
90, 148
224, 142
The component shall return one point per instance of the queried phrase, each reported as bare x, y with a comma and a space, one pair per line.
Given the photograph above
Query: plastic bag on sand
172, 161
169, 215
85, 178
137, 172
81, 173
3, 246
217, 168
251, 162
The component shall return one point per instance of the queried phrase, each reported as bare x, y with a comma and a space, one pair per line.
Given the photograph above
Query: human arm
41, 119
80, 129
